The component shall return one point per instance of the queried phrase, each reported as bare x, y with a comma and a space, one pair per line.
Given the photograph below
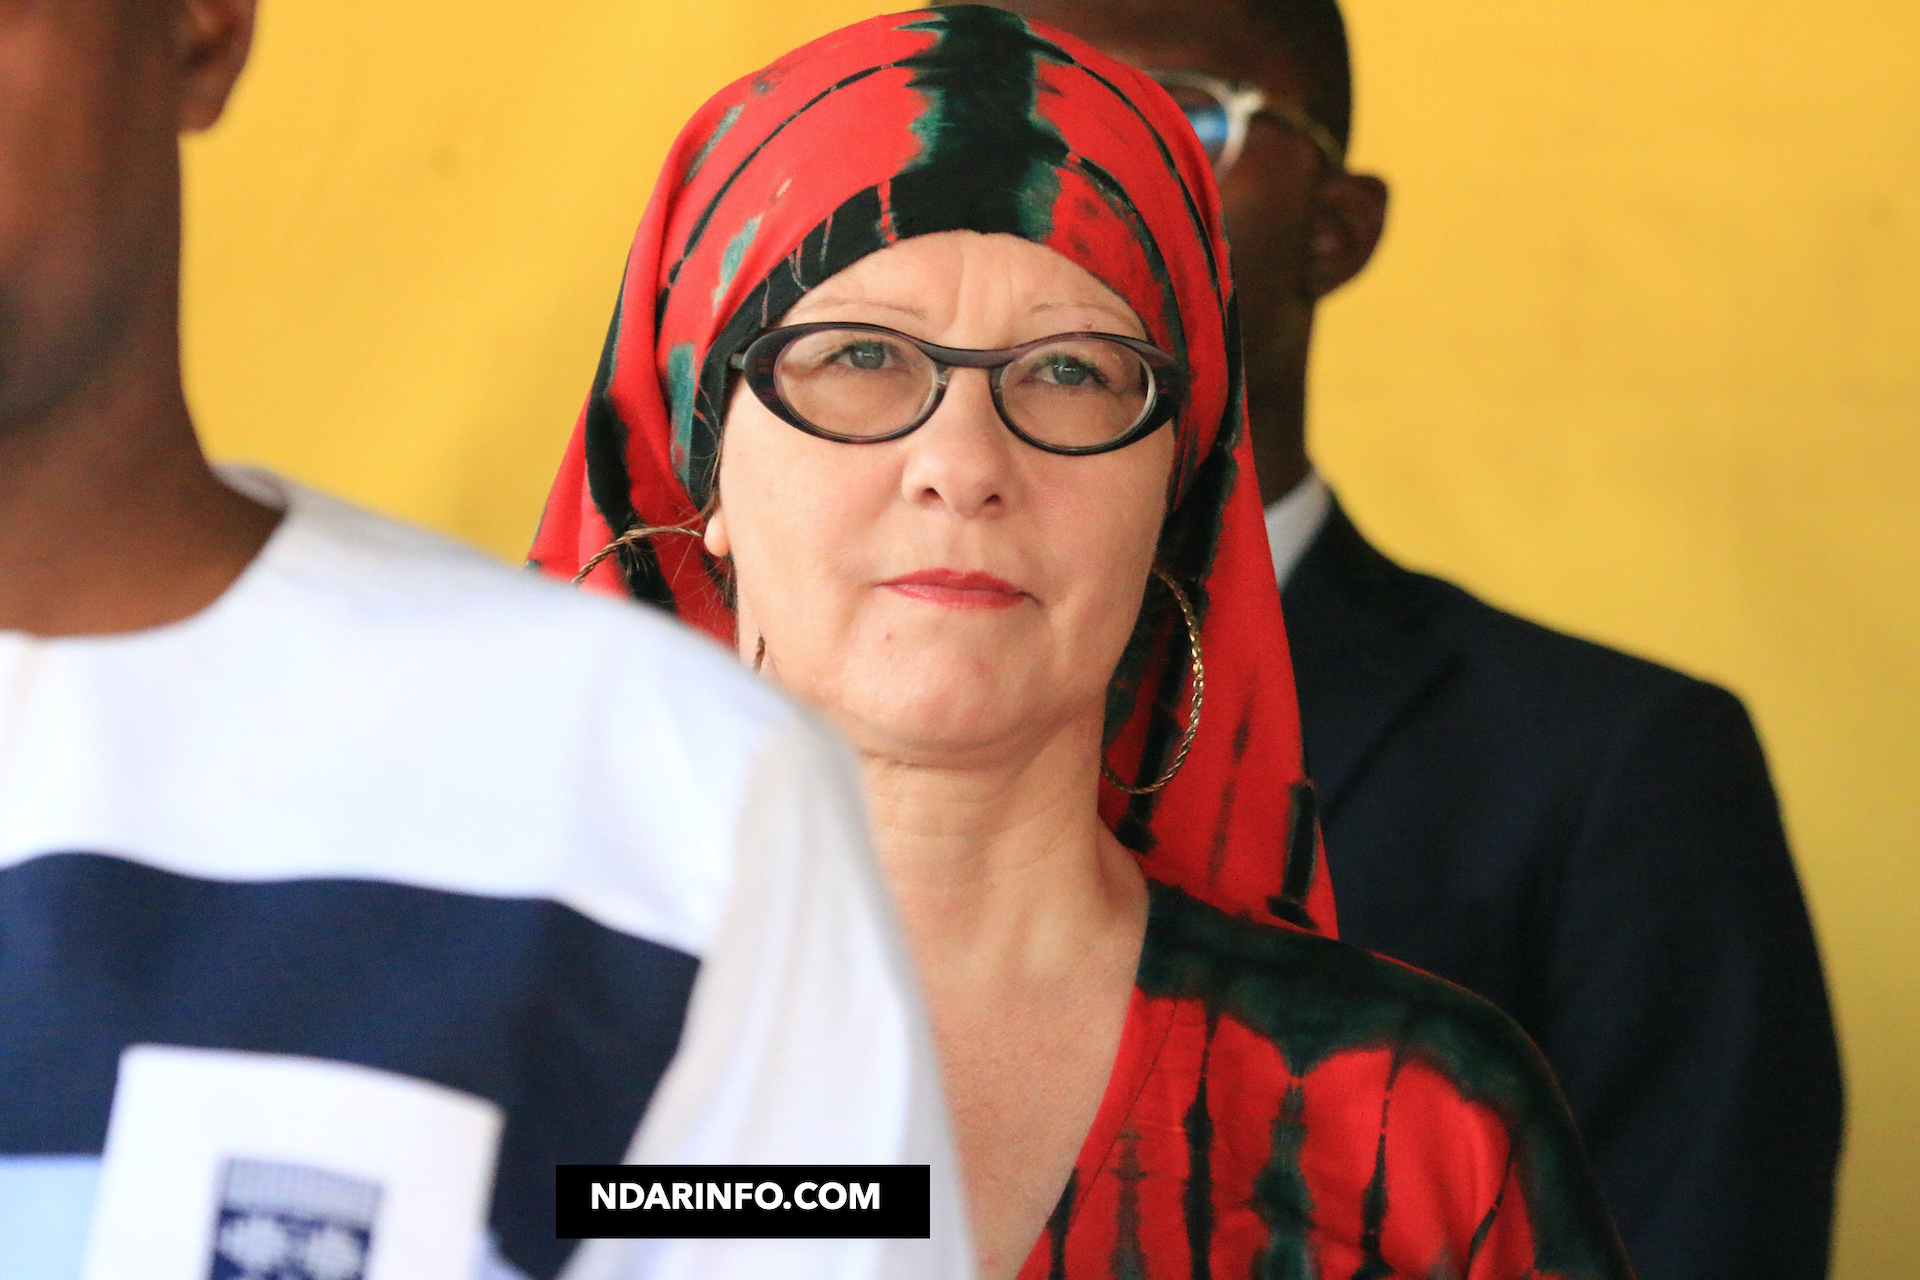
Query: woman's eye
865, 356
1069, 372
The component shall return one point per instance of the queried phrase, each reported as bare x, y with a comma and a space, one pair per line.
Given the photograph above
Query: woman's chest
1211, 1155
1023, 1090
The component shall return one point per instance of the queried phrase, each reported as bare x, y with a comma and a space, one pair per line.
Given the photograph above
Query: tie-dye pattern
1282, 1105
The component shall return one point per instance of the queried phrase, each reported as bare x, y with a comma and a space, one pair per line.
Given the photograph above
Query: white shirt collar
1293, 521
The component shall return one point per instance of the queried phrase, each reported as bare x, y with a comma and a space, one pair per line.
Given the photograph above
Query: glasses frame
1242, 102
759, 361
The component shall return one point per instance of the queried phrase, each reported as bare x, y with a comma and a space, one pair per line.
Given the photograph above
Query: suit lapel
1364, 650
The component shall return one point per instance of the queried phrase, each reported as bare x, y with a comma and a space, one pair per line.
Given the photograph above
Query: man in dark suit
1587, 839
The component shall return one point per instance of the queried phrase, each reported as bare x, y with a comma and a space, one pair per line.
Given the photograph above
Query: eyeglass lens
1076, 392
1211, 118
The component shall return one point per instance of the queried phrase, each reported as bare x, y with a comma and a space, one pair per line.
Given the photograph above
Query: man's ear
211, 40
1349, 214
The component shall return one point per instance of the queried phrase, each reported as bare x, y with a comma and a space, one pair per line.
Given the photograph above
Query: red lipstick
957, 590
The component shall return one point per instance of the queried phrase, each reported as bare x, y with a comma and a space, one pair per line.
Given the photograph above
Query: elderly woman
924, 390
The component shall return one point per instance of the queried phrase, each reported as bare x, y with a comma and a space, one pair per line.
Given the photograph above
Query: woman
952, 291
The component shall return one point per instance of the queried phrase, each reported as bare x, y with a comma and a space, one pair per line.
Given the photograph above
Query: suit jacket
1592, 842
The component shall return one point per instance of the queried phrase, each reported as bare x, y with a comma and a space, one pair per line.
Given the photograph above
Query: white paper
356, 1174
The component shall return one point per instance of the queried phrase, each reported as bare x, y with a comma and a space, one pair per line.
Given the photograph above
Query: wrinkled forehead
954, 119
966, 283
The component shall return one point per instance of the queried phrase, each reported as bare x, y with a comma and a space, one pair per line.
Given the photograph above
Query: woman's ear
718, 544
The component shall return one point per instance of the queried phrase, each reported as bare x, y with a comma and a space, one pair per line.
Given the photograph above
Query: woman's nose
961, 457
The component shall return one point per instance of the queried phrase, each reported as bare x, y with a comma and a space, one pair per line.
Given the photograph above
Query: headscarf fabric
968, 118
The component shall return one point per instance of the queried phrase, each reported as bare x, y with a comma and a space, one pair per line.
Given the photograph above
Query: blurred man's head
93, 95
110, 518
1300, 224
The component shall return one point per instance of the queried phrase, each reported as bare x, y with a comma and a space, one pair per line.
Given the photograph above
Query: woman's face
949, 595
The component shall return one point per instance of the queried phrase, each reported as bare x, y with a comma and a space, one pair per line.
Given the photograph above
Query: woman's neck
1004, 872
1026, 917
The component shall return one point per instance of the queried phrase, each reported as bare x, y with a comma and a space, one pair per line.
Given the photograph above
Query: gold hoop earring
631, 537
1199, 679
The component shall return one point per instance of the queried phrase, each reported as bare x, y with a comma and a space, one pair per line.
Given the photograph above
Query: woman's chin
940, 696
971, 725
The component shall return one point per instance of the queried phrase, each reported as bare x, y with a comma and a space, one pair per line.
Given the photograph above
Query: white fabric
1293, 521
371, 701
756, 1080
421, 1156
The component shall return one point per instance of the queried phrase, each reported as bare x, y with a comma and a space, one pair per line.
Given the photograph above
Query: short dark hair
1316, 35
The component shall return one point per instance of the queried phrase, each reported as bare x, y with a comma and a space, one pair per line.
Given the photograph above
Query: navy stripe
567, 1025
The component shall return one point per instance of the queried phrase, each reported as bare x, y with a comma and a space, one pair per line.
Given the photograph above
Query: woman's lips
957, 590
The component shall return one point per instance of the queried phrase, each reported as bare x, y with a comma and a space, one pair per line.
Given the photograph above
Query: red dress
1284, 1105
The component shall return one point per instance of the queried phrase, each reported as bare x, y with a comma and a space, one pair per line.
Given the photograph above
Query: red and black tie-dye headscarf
967, 118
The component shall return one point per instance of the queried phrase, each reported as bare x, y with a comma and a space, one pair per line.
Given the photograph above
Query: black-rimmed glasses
1221, 111
1071, 393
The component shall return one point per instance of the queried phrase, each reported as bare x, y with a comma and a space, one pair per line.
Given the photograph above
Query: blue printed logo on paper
291, 1222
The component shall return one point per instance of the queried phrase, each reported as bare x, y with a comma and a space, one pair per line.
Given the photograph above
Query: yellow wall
1640, 356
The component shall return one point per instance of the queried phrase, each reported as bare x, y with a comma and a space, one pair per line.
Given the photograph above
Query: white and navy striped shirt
387, 803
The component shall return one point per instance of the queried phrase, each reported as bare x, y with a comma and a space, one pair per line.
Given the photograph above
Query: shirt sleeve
1544, 1219
1507, 1244
805, 1040
1479, 1170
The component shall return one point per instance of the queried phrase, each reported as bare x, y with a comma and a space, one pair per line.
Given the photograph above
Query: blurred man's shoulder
370, 580
1534, 651
1508, 663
